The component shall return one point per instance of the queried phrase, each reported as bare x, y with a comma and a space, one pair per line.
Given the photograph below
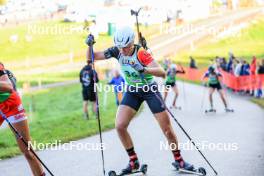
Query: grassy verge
57, 115
42, 39
45, 39
248, 43
260, 102
47, 78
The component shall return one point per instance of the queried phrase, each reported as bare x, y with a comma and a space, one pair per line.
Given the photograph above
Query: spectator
245, 68
253, 66
118, 82
237, 67
223, 64
245, 71
192, 63
261, 67
260, 71
253, 70
88, 93
229, 66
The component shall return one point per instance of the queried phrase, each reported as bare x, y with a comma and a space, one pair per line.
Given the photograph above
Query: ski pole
202, 103
97, 102
188, 136
184, 131
19, 136
133, 12
142, 40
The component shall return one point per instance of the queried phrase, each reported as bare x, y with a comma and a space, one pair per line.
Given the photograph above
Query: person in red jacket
11, 106
253, 66
253, 71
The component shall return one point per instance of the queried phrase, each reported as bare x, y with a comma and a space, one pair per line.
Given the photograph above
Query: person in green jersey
214, 84
139, 68
171, 83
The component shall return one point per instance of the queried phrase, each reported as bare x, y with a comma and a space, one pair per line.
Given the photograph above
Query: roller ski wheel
200, 171
210, 111
112, 173
176, 107
143, 169
229, 110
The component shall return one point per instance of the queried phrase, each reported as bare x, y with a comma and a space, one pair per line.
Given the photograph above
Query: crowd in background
241, 67
236, 66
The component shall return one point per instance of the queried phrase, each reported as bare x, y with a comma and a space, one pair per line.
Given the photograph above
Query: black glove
90, 40
142, 41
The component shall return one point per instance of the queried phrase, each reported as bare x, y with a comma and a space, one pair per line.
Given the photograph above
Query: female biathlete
139, 69
215, 84
171, 83
11, 107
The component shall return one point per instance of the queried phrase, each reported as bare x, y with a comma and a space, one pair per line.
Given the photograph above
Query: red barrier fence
249, 82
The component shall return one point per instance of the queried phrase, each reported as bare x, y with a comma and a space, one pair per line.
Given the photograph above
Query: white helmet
124, 36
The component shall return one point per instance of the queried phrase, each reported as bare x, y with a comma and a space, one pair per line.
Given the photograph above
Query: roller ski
132, 168
229, 110
184, 167
210, 110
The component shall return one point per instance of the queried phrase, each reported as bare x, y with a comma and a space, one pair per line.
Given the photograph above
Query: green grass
260, 102
47, 39
46, 78
57, 115
44, 39
52, 77
250, 42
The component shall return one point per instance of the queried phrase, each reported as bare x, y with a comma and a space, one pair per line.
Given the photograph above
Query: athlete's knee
120, 126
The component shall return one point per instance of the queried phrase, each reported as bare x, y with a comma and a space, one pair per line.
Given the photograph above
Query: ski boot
175, 107
128, 171
132, 167
210, 110
229, 110
185, 167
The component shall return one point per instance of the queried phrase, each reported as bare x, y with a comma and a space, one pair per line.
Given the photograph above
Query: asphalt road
232, 142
